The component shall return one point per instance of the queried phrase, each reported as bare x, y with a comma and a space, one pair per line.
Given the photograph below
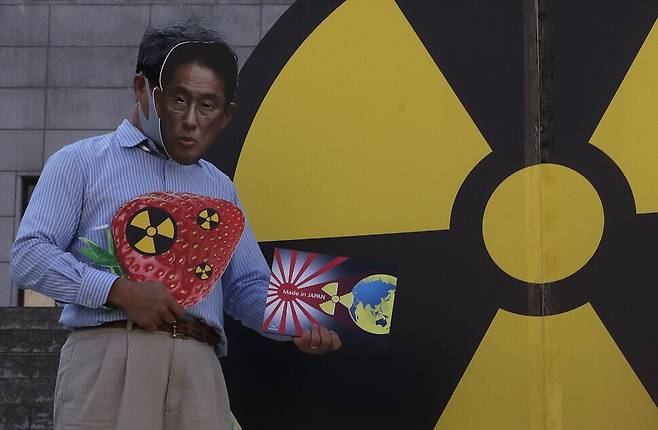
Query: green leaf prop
100, 256
110, 241
234, 423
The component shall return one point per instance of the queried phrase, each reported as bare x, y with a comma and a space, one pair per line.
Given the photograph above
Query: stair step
30, 341
22, 340
28, 365
38, 416
29, 318
26, 391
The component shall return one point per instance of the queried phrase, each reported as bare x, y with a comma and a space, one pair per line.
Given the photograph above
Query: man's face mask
150, 125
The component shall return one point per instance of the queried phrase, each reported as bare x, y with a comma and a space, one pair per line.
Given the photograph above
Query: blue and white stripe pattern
81, 187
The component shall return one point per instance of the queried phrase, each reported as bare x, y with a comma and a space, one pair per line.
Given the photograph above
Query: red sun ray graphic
290, 298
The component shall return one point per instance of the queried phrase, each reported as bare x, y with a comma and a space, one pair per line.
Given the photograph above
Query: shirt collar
129, 135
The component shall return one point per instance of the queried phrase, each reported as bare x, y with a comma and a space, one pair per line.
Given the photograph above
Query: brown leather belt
186, 328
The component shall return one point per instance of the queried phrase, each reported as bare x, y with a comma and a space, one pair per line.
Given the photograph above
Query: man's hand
318, 340
148, 303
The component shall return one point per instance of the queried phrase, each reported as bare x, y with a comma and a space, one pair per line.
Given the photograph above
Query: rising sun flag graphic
295, 294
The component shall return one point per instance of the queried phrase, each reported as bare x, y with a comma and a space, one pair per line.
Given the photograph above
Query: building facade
66, 71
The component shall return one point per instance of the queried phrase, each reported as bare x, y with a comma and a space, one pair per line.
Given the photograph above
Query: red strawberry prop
183, 240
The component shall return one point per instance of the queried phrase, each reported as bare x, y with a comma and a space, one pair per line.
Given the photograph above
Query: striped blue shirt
81, 187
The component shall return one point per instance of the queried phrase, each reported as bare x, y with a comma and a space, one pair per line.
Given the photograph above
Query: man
121, 368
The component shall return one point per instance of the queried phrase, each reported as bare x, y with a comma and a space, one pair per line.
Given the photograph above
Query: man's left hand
318, 340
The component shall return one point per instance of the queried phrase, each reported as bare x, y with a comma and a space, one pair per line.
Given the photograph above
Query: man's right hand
147, 303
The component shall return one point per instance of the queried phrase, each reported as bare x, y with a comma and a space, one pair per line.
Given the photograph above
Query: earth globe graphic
372, 303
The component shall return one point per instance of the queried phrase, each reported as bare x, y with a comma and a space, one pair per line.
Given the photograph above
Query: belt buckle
174, 331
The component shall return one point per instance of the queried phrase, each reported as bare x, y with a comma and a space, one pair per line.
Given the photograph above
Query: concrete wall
66, 73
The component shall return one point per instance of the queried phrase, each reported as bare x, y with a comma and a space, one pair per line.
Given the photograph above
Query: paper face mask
192, 99
185, 241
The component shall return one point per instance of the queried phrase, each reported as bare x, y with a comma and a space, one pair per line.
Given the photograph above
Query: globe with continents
372, 303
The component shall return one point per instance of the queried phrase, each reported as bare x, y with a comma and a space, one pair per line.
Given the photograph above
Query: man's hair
157, 42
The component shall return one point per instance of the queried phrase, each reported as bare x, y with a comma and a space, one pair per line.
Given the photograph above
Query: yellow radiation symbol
329, 307
203, 271
400, 172
208, 219
151, 231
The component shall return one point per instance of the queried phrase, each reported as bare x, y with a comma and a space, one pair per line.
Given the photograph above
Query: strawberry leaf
110, 240
98, 255
116, 270
90, 242
234, 423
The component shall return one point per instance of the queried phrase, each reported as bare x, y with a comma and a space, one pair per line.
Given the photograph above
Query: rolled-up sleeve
39, 257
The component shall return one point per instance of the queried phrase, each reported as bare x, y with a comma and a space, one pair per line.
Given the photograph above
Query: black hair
157, 42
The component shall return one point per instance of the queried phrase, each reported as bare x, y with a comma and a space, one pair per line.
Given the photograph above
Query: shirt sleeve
39, 260
245, 282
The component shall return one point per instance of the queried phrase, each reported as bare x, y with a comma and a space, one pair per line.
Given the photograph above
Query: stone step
38, 416
26, 391
28, 365
29, 318
32, 341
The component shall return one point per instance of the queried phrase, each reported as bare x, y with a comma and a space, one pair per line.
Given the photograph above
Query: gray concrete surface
66, 74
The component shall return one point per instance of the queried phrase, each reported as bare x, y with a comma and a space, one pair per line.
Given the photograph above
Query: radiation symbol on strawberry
151, 231
160, 237
203, 271
208, 219
526, 249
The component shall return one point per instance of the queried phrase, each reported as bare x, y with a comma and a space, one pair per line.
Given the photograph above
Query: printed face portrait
192, 101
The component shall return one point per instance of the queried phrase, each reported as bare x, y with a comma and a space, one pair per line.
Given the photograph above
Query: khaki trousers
119, 379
